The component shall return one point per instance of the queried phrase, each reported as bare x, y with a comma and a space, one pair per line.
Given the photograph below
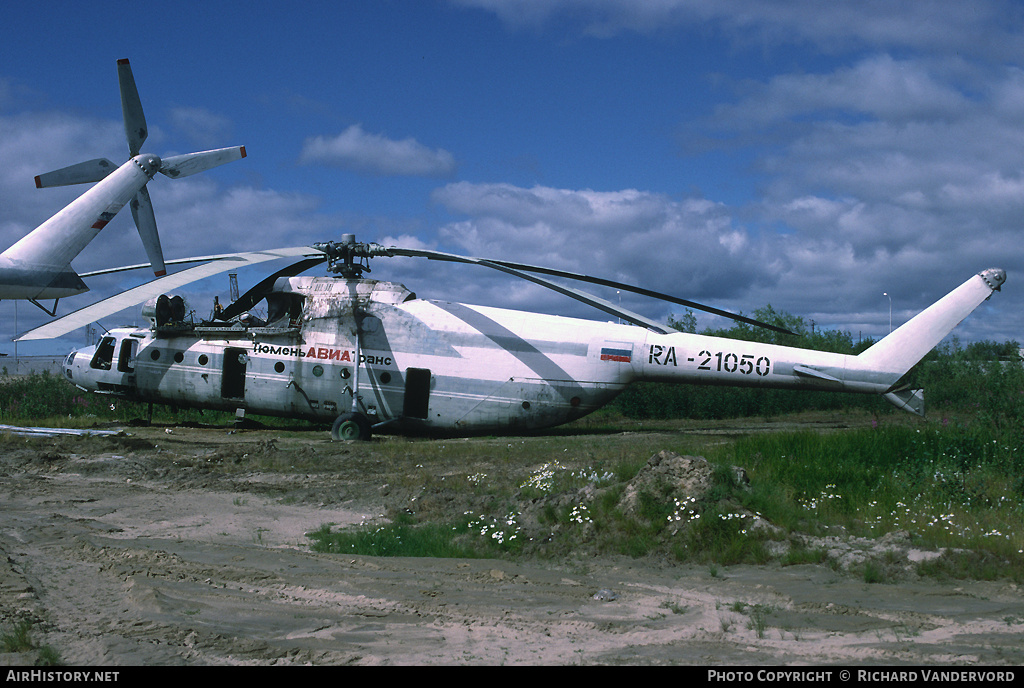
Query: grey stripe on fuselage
507, 340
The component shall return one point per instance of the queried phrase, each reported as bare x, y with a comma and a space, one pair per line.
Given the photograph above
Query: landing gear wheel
350, 427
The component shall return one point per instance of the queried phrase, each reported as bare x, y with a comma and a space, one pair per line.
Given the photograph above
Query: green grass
19, 639
404, 538
948, 486
953, 486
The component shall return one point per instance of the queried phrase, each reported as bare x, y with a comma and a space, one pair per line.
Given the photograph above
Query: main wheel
350, 427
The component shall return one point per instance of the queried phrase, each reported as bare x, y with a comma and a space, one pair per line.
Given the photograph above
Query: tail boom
699, 359
40, 263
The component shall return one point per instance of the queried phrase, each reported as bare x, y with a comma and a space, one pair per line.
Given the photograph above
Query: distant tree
687, 322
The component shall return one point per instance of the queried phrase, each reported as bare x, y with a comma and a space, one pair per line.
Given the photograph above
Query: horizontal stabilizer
908, 400
808, 371
86, 172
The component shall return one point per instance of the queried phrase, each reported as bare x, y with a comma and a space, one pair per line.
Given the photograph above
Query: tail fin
897, 353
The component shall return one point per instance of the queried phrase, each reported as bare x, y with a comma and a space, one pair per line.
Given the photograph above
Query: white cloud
205, 129
374, 154
689, 248
877, 86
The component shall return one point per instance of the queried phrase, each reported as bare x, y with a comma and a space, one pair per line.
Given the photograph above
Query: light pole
885, 293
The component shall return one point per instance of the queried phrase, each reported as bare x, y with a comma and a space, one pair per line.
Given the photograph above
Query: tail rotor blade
178, 166
145, 221
131, 107
80, 173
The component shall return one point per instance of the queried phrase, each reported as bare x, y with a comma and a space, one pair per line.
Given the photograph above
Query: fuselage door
417, 393
232, 385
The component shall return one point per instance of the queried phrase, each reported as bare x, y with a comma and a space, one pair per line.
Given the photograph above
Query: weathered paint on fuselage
488, 368
440, 367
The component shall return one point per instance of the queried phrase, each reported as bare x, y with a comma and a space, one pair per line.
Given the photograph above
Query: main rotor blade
178, 166
131, 108
145, 222
79, 173
582, 296
307, 251
522, 267
163, 285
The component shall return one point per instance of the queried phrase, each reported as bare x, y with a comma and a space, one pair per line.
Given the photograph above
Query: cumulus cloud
33, 143
688, 247
358, 150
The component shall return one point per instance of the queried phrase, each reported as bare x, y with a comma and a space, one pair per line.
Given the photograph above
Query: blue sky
807, 155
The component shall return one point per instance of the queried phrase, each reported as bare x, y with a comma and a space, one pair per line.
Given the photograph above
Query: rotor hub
349, 258
148, 163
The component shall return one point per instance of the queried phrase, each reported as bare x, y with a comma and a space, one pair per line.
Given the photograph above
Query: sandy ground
134, 551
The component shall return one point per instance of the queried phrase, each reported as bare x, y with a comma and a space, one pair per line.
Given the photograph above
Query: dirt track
143, 551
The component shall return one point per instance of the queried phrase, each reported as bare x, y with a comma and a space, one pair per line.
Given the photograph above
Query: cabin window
126, 357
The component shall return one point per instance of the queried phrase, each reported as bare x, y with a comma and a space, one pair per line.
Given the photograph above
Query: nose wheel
351, 427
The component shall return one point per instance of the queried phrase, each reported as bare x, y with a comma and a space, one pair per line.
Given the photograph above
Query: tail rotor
136, 133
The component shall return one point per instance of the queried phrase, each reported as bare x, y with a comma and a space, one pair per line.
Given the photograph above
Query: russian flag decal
620, 353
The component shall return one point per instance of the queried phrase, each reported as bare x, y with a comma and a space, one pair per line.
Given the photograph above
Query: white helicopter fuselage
420, 366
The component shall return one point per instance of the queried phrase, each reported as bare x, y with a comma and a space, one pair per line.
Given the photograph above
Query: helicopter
38, 266
370, 356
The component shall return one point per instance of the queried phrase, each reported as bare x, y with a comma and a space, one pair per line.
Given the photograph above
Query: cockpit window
104, 354
284, 305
